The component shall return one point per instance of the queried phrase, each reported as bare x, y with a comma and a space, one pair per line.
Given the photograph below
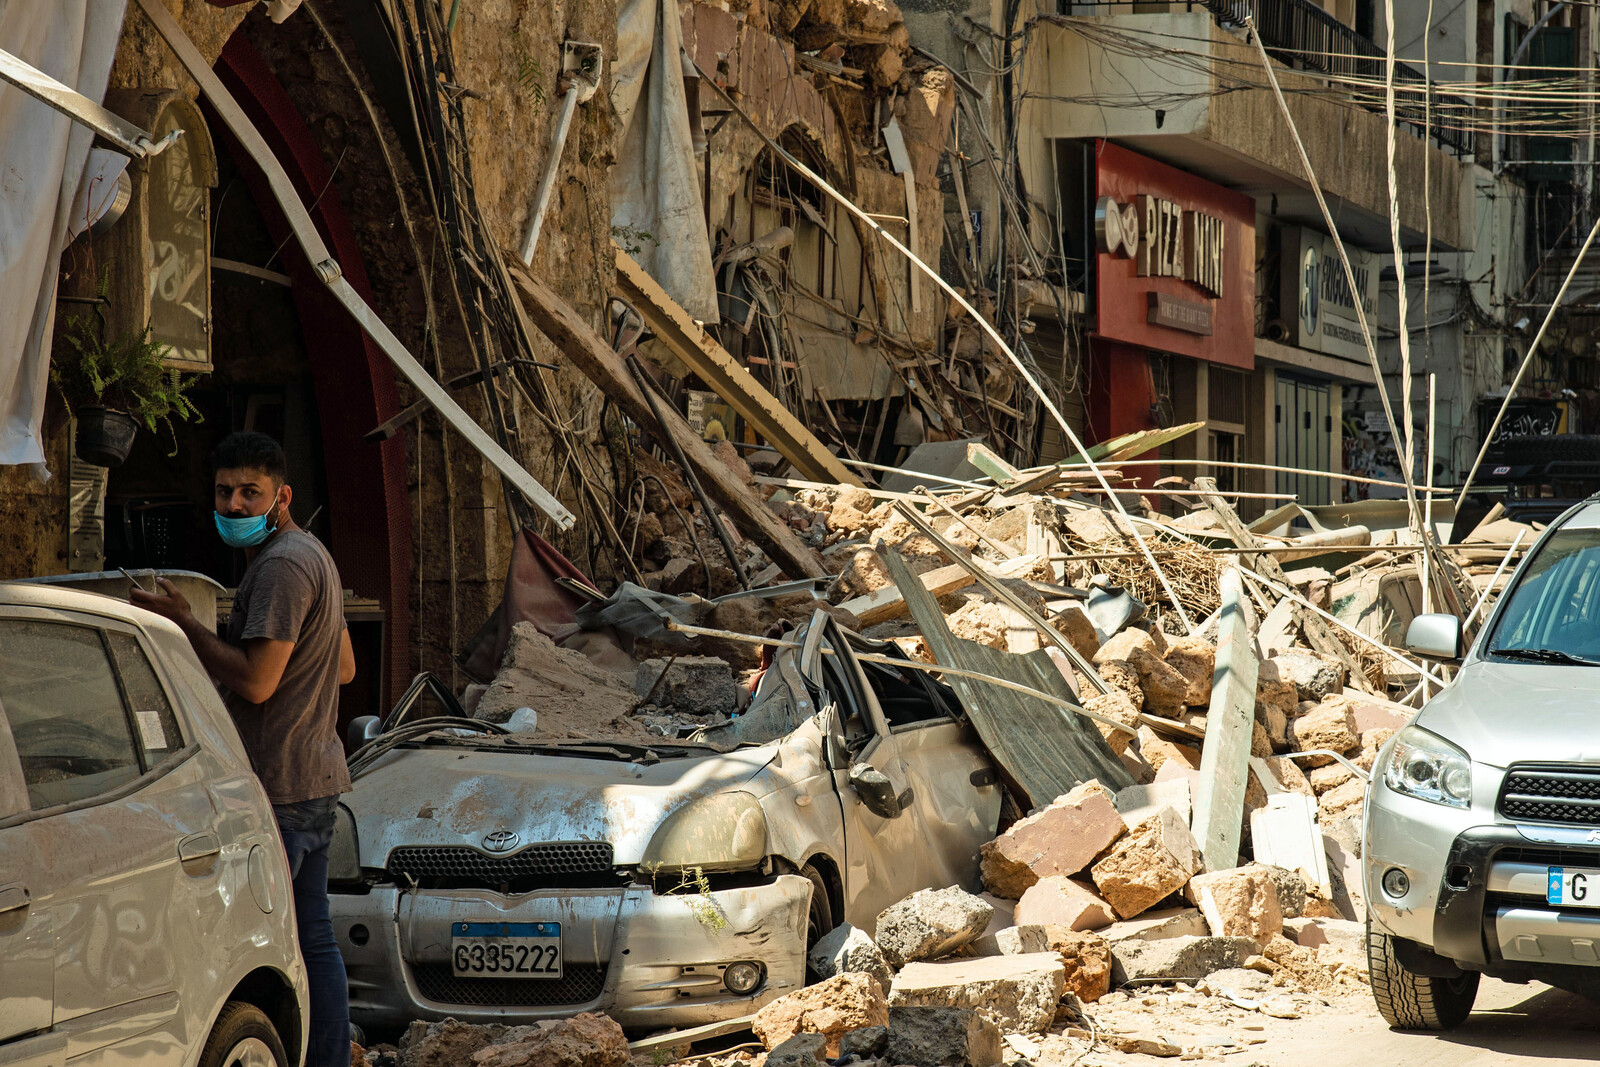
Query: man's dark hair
249, 450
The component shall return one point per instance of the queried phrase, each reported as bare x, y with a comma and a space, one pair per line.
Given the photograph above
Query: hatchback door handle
13, 898
199, 846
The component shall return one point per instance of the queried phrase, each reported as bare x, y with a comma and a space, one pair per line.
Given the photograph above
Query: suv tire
1411, 1001
243, 1037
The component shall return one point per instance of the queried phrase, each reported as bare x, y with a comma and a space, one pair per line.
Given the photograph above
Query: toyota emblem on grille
501, 841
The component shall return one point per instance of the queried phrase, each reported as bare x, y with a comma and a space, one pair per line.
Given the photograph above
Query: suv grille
579, 984
1566, 795
557, 864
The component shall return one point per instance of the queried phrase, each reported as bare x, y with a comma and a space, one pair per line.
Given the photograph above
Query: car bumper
647, 960
1477, 885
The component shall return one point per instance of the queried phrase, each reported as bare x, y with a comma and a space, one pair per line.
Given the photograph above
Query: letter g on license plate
505, 950
1573, 887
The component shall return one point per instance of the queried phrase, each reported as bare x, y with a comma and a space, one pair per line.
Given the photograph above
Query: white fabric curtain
655, 185
43, 157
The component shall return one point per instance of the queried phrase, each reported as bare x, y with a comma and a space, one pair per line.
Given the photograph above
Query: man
286, 654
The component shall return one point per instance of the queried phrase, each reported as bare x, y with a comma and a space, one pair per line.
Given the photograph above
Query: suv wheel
243, 1037
1411, 1001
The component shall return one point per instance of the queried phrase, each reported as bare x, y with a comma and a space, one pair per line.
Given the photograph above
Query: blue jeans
307, 829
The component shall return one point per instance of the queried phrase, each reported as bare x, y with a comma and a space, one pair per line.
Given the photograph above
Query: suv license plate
1573, 887
505, 950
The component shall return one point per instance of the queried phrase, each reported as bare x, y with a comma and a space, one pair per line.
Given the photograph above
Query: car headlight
721, 832
344, 851
1426, 766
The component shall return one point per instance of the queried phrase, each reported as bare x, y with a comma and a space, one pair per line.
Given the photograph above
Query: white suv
145, 907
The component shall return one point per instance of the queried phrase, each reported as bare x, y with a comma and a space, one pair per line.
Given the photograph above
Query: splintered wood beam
691, 343
557, 320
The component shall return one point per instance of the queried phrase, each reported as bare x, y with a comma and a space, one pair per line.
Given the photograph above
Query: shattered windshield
1553, 614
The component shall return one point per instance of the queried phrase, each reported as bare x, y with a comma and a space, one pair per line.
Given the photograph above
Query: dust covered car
492, 876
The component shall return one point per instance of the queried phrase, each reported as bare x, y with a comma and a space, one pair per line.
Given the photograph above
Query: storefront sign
1190, 315
1176, 270
1318, 306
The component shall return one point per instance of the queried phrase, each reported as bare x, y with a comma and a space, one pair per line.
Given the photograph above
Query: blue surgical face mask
246, 532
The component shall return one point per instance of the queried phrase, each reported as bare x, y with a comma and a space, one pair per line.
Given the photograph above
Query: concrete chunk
1156, 858
1196, 659
830, 1008
1136, 803
1178, 958
1313, 675
1240, 902
1014, 992
1061, 839
1329, 724
1059, 901
848, 950
930, 923
1087, 956
1159, 925
699, 685
941, 1037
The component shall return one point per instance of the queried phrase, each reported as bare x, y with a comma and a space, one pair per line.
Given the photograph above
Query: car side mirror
362, 729
877, 792
1435, 636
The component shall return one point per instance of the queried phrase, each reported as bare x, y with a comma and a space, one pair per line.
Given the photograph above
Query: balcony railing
1305, 37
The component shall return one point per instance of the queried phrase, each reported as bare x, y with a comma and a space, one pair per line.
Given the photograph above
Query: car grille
554, 863
1567, 795
578, 984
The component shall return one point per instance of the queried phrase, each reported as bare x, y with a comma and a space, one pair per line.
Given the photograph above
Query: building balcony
1186, 86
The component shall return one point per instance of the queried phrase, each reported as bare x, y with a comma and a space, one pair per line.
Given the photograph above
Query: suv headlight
1426, 766
721, 832
344, 851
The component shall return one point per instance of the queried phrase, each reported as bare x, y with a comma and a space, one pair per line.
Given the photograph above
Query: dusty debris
1015, 992
697, 685
831, 1008
573, 696
941, 1037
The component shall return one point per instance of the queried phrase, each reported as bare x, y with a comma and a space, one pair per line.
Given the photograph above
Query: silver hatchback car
1482, 835
145, 908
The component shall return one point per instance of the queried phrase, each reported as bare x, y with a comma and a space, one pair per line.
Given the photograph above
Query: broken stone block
1116, 706
1014, 992
848, 950
1196, 659
1119, 674
801, 1050
830, 1008
941, 1037
1343, 801
867, 1043
1059, 901
930, 923
1136, 803
1063, 838
1121, 646
1329, 776
1328, 725
1260, 743
1157, 750
1371, 742
585, 1040
1156, 858
1163, 687
1276, 702
847, 520
854, 496
1178, 958
1291, 888
1072, 622
1241, 902
1086, 956
1158, 925
1313, 675
699, 685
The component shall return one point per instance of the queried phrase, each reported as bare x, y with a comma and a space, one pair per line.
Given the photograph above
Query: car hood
448, 796
1505, 713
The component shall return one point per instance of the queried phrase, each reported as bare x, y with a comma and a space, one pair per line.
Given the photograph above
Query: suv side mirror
877, 792
362, 729
1435, 636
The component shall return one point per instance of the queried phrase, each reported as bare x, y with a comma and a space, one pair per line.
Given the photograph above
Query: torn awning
74, 42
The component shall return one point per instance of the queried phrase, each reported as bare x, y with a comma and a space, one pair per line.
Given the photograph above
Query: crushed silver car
1482, 836
492, 876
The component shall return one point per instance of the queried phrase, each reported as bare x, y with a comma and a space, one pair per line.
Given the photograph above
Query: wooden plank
1000, 592
1316, 631
880, 605
989, 462
573, 335
1043, 751
1230, 719
691, 343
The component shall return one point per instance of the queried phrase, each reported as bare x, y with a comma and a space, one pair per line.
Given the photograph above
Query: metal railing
1305, 37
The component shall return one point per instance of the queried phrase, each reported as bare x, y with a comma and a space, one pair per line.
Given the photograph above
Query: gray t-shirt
292, 593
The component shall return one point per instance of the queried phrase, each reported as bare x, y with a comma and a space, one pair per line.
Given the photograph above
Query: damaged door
884, 844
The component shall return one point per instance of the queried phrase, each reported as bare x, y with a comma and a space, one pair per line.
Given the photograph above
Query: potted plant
112, 386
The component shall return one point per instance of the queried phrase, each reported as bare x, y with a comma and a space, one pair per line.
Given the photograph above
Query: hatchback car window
1554, 611
155, 726
60, 696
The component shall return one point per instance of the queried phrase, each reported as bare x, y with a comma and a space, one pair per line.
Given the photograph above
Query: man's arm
253, 672
347, 658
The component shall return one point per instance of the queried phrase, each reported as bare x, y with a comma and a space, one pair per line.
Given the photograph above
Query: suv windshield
1553, 615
